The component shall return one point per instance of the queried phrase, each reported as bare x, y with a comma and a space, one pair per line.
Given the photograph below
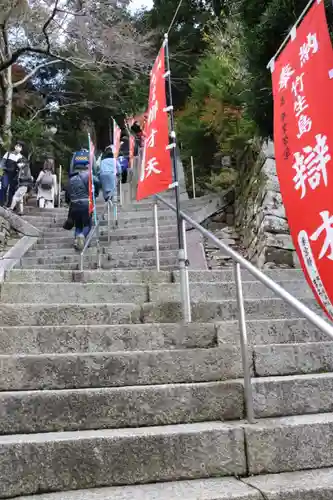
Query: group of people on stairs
105, 174
16, 181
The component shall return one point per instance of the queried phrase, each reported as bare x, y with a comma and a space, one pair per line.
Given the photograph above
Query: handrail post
187, 298
120, 192
244, 345
157, 239
109, 220
98, 247
81, 261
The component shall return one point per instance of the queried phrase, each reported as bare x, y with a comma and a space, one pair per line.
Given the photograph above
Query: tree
86, 34
214, 122
265, 24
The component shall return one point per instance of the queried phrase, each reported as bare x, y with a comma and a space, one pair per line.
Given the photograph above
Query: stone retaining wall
260, 215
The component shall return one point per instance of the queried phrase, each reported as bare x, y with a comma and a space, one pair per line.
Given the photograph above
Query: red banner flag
116, 139
90, 183
303, 138
156, 172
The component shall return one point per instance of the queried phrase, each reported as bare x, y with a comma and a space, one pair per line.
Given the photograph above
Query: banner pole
173, 144
182, 260
59, 185
285, 41
193, 178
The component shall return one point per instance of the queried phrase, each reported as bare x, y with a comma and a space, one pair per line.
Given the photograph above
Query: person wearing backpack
78, 198
47, 187
10, 169
25, 182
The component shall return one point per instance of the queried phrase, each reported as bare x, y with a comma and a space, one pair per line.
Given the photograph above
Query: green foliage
223, 180
214, 121
34, 135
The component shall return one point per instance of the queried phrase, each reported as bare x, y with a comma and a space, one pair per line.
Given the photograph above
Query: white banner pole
193, 178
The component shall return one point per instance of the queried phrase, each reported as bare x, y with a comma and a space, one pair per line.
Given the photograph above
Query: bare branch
47, 24
34, 71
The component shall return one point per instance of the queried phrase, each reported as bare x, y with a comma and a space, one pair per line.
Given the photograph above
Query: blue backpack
81, 158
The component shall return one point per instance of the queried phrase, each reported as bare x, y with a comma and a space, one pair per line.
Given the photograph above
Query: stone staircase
105, 394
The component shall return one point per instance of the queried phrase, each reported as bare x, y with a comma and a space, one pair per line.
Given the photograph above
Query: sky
137, 4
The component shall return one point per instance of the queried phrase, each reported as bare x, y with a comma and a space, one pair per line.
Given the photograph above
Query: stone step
271, 331
90, 266
107, 262
131, 252
109, 408
224, 310
107, 338
164, 225
292, 395
116, 276
315, 484
120, 233
118, 369
289, 444
141, 244
289, 359
62, 293
108, 293
123, 216
228, 275
219, 291
68, 314
41, 462
44, 314
117, 235
221, 488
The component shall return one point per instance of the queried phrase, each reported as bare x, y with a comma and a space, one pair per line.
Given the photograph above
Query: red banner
116, 139
303, 138
91, 184
156, 172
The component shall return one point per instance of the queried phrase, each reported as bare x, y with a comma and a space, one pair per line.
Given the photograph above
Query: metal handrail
239, 262
107, 209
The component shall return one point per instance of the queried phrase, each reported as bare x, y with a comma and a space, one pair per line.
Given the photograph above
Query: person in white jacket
47, 187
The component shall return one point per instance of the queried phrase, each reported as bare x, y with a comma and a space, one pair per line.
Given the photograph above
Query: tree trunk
8, 107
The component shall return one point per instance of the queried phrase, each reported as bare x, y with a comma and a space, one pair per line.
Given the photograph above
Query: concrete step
223, 290
107, 338
109, 408
289, 444
45, 314
62, 293
197, 489
271, 331
293, 395
315, 484
289, 359
129, 276
41, 462
118, 369
224, 310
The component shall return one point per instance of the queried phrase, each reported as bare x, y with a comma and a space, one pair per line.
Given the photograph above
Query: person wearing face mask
10, 169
